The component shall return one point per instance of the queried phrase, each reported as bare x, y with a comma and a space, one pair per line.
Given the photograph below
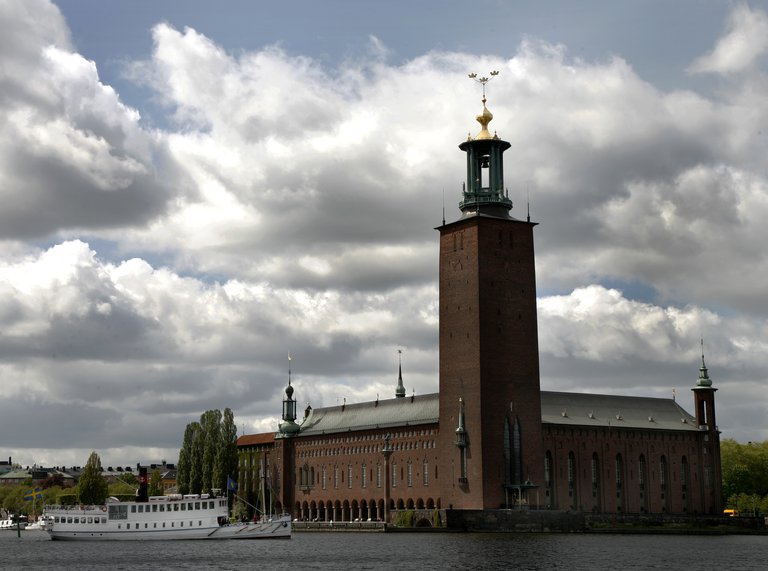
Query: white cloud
291, 206
745, 40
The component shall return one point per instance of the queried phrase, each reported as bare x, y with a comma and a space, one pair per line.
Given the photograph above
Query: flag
36, 494
231, 485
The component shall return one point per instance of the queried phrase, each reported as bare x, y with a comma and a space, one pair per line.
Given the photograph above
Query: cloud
72, 156
745, 40
290, 206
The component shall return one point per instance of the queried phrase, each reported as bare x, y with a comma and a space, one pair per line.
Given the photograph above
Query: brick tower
490, 404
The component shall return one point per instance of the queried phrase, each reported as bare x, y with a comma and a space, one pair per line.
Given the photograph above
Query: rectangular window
394, 474
349, 476
378, 475
410, 475
363, 476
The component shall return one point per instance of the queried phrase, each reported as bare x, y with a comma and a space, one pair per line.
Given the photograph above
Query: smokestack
143, 494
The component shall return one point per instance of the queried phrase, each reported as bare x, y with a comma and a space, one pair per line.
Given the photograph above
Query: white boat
39, 525
13, 523
161, 517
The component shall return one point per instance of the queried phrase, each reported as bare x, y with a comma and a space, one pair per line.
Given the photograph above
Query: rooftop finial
703, 380
486, 116
400, 390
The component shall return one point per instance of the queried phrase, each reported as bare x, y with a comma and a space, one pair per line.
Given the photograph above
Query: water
426, 551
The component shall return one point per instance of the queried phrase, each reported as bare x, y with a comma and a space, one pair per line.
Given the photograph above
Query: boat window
163, 524
133, 509
146, 525
199, 523
154, 508
90, 520
182, 524
127, 526
141, 509
183, 507
197, 505
119, 525
162, 508
189, 506
77, 520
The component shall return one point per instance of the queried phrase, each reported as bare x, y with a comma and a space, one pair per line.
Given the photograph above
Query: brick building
490, 438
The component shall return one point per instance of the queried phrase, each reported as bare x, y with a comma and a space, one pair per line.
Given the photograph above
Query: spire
289, 427
400, 390
703, 381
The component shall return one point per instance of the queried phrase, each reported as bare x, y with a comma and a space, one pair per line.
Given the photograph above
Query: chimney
143, 494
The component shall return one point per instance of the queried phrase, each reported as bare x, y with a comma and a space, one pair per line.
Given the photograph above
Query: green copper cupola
484, 191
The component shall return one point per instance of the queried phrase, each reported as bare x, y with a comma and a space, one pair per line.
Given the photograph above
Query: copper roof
591, 410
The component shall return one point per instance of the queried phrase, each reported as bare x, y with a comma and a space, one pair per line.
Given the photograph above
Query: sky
193, 190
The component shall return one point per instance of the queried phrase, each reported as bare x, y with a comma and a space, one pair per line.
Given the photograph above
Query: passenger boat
161, 517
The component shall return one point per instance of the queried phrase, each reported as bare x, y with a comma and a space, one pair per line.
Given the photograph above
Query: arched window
684, 483
663, 476
324, 476
572, 491
394, 474
596, 493
619, 483
513, 453
641, 478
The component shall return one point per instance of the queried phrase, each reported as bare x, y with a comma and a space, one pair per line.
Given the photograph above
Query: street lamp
387, 452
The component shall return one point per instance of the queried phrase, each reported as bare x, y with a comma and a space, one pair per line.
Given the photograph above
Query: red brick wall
488, 354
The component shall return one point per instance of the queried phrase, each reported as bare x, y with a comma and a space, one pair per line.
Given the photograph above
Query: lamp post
387, 452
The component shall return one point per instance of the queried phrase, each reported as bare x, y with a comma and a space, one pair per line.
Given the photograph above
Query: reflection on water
396, 550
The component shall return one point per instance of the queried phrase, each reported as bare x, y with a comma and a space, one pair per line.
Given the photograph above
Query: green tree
744, 468
208, 454
156, 483
92, 488
210, 421
226, 462
196, 461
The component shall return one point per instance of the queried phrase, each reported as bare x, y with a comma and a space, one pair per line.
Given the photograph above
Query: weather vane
483, 80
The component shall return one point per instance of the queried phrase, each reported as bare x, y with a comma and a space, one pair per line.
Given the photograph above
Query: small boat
39, 525
194, 516
14, 522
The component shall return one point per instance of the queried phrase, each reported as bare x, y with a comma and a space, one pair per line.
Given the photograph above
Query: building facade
490, 438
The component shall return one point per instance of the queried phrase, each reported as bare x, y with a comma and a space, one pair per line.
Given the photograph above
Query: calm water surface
395, 551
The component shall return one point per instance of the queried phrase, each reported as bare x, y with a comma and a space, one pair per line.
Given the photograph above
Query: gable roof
396, 412
591, 410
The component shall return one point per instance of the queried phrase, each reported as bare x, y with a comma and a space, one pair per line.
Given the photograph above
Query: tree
92, 488
226, 461
210, 422
156, 483
208, 454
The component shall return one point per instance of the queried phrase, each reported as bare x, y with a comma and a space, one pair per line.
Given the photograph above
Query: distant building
490, 438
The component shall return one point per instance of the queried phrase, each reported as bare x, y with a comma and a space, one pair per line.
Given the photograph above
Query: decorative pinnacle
486, 116
483, 80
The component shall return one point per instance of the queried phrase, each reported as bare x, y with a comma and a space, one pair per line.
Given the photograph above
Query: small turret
289, 427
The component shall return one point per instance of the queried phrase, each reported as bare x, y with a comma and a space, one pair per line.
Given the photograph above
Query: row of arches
354, 510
